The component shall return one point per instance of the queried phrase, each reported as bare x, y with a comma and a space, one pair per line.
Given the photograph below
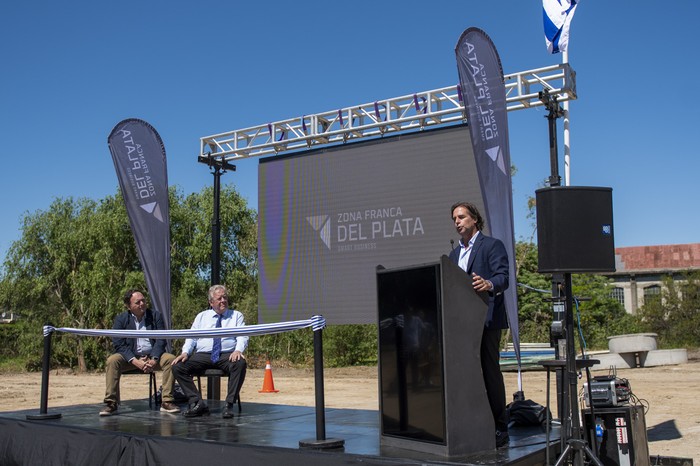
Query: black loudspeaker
575, 229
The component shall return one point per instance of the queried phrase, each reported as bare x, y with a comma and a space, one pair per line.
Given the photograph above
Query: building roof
664, 257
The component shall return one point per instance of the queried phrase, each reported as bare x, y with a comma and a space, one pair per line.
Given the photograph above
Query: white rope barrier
315, 322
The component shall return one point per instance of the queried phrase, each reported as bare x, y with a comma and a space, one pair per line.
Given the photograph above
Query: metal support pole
554, 179
214, 383
571, 437
320, 442
555, 111
567, 145
558, 338
43, 405
216, 230
567, 132
575, 449
571, 377
219, 167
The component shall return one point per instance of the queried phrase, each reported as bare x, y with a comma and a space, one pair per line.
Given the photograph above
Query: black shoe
502, 439
196, 410
228, 411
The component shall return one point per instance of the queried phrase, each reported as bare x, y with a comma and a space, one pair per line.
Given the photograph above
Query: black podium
432, 396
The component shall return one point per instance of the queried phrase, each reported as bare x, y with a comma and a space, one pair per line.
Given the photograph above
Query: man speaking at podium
486, 261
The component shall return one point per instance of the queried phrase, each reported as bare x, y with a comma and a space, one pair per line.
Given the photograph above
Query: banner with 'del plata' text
484, 96
139, 159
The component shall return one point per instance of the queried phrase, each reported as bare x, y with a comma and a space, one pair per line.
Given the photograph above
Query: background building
640, 271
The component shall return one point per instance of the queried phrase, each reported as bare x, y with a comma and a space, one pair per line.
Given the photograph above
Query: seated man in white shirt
200, 354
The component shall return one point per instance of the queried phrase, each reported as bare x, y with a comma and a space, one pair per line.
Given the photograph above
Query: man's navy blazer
127, 346
489, 260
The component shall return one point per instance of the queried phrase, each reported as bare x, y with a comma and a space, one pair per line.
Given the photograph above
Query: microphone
452, 244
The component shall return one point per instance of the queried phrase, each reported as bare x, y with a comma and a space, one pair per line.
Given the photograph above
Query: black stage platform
263, 434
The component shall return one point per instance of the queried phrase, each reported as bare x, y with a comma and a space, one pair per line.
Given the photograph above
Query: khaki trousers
116, 365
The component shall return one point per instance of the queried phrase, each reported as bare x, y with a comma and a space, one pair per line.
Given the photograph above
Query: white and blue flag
557, 16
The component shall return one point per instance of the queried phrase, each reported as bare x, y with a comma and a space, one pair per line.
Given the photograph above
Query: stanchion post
320, 442
43, 405
318, 385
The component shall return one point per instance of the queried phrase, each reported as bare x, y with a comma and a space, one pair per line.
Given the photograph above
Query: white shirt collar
471, 240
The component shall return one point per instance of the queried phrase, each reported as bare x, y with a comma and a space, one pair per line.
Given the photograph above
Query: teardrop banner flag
139, 160
484, 96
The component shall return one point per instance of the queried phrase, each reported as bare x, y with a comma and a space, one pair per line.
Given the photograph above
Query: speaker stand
576, 450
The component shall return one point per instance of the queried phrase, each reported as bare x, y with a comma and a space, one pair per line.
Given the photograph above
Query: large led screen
329, 217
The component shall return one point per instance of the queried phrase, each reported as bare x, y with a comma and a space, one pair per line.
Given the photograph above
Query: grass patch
15, 364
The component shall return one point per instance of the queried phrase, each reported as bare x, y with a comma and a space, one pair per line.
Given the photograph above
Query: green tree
534, 312
597, 314
65, 270
190, 220
675, 317
74, 260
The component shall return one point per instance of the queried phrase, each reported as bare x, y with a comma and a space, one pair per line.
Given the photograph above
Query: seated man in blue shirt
200, 354
143, 354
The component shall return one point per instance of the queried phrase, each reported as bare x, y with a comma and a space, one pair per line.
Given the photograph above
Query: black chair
152, 386
218, 373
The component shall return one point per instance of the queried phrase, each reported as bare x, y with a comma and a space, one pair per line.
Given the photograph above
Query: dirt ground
671, 392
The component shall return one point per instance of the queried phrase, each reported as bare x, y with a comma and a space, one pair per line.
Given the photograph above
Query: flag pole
567, 141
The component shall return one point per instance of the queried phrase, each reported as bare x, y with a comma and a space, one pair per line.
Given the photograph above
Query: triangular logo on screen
321, 224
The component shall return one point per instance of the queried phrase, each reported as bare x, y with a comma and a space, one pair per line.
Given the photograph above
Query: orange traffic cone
268, 383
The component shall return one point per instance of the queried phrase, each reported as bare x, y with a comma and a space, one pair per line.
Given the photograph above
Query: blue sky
191, 69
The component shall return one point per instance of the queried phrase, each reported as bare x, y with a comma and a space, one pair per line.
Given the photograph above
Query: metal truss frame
375, 119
